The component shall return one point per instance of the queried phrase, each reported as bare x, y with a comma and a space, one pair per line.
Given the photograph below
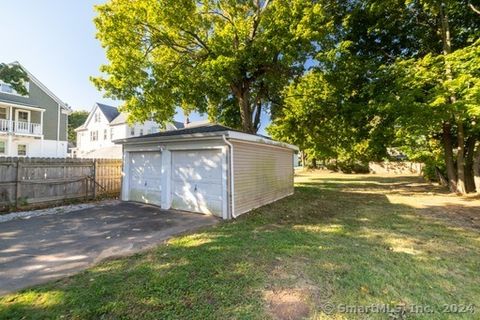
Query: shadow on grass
337, 245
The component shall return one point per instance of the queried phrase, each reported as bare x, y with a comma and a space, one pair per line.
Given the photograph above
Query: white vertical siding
262, 174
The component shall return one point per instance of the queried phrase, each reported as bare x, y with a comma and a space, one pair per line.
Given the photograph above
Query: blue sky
55, 40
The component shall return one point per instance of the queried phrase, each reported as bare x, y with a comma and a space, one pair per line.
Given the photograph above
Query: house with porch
32, 125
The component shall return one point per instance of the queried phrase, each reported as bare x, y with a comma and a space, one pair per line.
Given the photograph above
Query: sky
55, 41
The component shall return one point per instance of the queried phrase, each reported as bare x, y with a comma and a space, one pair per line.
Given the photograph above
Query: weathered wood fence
30, 181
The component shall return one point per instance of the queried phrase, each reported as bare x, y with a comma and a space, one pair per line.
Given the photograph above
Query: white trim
208, 135
58, 128
258, 139
231, 173
41, 122
66, 128
21, 106
89, 117
166, 183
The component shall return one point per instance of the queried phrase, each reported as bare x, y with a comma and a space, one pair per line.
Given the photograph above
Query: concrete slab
46, 248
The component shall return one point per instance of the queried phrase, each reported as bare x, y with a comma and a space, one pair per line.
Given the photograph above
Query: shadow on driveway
45, 248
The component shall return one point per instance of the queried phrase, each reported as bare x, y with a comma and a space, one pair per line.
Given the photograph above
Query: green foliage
14, 75
379, 81
204, 56
75, 120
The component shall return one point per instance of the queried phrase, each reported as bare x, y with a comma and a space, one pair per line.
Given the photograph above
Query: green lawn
340, 240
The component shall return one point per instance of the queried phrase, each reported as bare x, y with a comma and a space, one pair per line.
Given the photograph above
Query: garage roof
204, 131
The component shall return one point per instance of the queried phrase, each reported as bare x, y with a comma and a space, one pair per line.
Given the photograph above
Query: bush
429, 171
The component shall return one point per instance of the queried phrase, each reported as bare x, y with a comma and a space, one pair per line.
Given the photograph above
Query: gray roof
192, 130
178, 124
120, 119
205, 130
109, 111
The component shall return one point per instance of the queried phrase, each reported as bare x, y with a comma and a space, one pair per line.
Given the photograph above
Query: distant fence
29, 181
396, 167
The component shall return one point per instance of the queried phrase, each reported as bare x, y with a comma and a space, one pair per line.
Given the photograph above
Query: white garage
209, 169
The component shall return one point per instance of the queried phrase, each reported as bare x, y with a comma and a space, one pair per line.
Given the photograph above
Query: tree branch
200, 41
256, 18
473, 8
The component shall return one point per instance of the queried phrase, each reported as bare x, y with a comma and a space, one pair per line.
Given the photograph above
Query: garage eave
182, 137
229, 134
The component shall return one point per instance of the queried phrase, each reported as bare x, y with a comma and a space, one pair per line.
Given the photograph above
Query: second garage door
145, 177
197, 181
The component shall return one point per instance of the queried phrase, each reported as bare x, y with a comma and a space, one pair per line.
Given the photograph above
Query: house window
97, 117
3, 113
141, 132
22, 149
7, 88
2, 147
93, 135
132, 131
105, 134
111, 133
23, 116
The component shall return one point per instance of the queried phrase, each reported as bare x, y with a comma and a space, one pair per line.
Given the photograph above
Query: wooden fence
29, 181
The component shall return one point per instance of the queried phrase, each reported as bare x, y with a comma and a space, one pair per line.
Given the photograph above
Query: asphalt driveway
50, 247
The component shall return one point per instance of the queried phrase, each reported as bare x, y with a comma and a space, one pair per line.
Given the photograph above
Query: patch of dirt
455, 215
288, 304
291, 294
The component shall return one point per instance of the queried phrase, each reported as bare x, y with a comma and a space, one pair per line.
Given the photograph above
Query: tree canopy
227, 58
401, 74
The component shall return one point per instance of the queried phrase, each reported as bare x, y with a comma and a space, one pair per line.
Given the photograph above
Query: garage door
145, 177
197, 181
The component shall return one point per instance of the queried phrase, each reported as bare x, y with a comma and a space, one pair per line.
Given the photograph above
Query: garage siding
262, 174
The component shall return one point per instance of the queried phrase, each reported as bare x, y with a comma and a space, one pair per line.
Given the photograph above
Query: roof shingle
109, 111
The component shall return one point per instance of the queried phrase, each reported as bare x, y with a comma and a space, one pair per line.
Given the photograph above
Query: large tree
228, 58
400, 73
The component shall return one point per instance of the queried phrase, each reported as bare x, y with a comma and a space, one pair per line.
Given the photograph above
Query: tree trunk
314, 163
461, 158
448, 152
469, 153
447, 49
241, 92
476, 168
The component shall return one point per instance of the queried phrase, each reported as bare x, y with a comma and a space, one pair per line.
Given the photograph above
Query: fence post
17, 184
94, 178
87, 181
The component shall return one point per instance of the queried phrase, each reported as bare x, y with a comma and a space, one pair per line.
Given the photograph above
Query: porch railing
20, 127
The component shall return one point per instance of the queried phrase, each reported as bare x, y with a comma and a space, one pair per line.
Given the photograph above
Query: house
208, 169
105, 124
33, 125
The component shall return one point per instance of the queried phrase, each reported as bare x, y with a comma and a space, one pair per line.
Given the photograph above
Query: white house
105, 124
208, 168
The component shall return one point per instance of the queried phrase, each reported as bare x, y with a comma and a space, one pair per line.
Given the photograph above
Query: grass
363, 240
